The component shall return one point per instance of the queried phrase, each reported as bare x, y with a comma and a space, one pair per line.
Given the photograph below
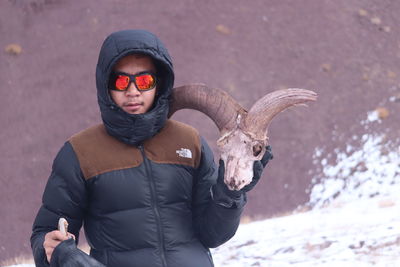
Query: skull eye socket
257, 150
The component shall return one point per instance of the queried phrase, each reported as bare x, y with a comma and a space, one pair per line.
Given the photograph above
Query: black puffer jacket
139, 183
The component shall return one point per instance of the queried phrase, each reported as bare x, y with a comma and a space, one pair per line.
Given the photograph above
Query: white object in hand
63, 226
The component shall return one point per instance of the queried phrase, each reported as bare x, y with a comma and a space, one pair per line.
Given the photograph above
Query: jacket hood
133, 128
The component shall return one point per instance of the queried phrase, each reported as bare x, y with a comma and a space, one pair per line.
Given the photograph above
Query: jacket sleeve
215, 221
64, 196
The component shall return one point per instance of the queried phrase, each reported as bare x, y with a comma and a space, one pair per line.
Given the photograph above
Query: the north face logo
184, 153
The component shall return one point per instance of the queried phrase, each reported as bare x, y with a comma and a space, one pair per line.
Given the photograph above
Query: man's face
132, 100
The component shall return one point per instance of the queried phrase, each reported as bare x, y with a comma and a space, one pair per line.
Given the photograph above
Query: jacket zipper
154, 205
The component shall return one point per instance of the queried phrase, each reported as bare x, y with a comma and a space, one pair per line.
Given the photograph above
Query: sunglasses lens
145, 81
122, 82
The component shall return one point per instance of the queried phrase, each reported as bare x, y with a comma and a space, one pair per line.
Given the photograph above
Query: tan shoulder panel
176, 143
98, 152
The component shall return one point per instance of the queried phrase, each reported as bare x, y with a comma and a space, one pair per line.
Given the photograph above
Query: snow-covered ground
360, 233
353, 216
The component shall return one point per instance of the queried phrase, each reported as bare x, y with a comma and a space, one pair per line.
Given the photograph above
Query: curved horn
265, 109
215, 103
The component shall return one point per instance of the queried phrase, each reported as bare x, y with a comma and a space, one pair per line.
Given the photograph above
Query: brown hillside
346, 50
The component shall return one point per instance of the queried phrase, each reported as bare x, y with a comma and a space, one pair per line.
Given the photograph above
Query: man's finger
49, 252
71, 236
57, 235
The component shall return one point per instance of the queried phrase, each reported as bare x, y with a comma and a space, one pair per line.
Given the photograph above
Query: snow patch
365, 232
371, 170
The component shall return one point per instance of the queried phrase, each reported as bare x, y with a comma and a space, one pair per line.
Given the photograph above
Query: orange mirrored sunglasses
143, 81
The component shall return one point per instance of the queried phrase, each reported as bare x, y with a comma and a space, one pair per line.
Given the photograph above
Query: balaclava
133, 129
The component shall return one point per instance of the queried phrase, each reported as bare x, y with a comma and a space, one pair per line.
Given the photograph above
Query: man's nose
132, 90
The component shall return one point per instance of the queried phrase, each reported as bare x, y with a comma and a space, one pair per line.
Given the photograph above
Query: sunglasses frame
132, 79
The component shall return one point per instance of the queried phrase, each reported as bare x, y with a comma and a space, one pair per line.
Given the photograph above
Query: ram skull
243, 134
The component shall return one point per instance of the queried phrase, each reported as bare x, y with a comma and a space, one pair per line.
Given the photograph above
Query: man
142, 203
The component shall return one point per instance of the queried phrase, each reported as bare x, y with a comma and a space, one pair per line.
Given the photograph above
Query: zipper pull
141, 148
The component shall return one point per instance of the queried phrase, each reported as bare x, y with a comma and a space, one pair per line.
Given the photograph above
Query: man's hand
52, 240
224, 195
258, 168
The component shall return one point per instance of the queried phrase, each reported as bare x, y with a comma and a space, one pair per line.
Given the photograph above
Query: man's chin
134, 110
